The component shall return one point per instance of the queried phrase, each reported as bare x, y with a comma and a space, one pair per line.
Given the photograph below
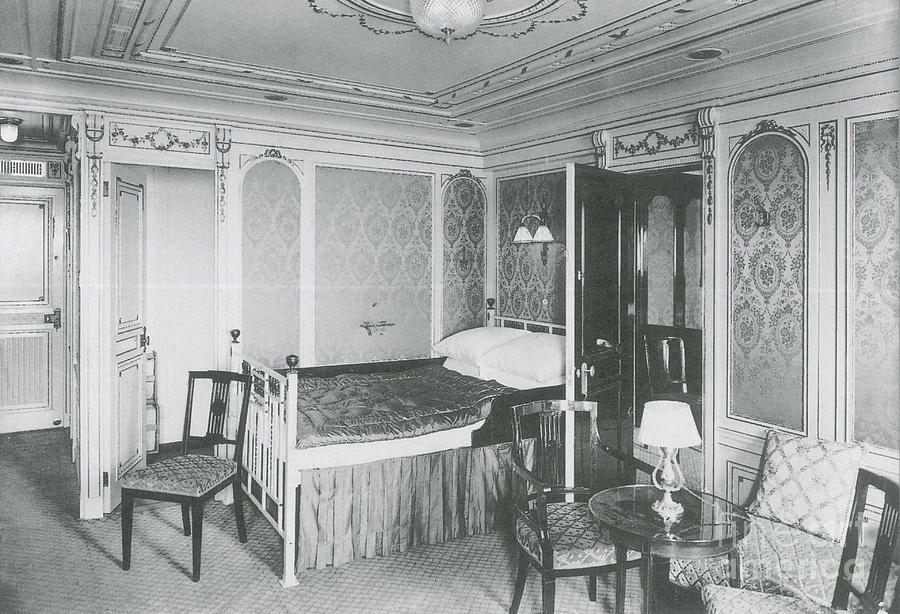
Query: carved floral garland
160, 139
654, 141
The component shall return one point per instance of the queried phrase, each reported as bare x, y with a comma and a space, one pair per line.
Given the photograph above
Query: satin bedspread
355, 408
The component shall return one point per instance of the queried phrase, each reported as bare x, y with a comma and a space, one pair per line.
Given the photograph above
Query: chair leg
592, 587
239, 511
521, 576
127, 520
186, 518
548, 594
196, 536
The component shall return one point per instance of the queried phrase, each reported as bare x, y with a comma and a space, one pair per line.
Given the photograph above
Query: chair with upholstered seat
866, 573
193, 479
800, 516
554, 529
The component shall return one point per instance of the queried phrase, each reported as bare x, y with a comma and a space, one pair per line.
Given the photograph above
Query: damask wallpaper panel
768, 280
527, 287
659, 249
373, 265
693, 261
874, 283
271, 262
464, 205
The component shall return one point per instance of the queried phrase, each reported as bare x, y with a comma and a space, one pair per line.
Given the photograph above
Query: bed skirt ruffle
383, 507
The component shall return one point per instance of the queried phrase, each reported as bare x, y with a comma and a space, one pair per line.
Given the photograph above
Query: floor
50, 561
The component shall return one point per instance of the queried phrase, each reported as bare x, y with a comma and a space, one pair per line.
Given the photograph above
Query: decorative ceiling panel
286, 52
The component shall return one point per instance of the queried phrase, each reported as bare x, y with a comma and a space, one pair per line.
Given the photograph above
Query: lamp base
669, 510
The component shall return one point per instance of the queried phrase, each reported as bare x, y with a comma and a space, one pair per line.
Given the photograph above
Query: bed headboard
492, 319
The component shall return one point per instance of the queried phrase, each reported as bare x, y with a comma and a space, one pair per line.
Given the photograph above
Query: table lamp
670, 426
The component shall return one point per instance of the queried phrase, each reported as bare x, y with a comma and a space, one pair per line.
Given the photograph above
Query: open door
627, 271
600, 314
128, 257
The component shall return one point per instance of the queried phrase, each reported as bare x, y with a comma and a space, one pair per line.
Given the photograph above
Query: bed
342, 480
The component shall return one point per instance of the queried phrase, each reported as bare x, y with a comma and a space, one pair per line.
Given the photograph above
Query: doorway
163, 255
635, 282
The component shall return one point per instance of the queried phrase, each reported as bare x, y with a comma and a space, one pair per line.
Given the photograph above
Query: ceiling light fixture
447, 19
9, 129
453, 19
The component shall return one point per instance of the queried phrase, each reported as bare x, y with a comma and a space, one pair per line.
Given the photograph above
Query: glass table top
708, 522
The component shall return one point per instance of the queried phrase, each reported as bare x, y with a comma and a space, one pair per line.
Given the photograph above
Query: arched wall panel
768, 186
464, 207
271, 261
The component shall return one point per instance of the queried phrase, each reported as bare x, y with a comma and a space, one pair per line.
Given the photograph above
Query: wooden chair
193, 479
671, 368
665, 364
870, 595
554, 528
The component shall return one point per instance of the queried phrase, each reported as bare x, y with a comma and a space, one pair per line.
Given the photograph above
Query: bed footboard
271, 433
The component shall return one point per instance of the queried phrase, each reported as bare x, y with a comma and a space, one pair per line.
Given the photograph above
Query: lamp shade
9, 129
668, 424
522, 235
542, 234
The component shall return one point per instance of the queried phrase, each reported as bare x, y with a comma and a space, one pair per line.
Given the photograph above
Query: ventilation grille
22, 168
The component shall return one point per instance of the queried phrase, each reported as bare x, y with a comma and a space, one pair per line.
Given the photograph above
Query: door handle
54, 318
585, 373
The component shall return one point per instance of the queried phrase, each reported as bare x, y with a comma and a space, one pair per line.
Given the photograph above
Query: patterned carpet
52, 562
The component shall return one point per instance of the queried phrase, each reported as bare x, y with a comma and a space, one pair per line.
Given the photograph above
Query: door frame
689, 139
98, 150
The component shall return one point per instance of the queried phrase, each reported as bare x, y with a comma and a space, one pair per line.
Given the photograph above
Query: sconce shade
9, 129
542, 234
522, 235
668, 424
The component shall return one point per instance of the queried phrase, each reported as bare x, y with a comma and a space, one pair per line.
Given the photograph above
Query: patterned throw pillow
808, 483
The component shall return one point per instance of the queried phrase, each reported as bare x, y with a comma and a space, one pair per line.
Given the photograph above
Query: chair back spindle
885, 547
229, 395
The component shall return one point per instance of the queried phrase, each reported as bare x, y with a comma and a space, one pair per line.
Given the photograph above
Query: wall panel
531, 278
768, 282
373, 265
271, 262
873, 291
464, 209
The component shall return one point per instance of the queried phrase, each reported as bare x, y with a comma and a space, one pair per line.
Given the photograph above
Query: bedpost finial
235, 333
292, 361
490, 303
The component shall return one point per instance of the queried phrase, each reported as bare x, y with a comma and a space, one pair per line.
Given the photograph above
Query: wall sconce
9, 129
764, 217
541, 234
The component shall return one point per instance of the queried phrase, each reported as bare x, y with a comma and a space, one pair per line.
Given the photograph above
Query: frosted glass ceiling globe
447, 19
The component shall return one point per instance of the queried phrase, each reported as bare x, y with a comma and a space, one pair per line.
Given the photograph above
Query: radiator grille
24, 371
22, 168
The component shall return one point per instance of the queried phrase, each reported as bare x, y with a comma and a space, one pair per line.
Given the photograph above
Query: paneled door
128, 295
32, 295
601, 288
612, 287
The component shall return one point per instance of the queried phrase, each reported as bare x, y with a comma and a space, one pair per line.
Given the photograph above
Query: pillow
808, 483
517, 381
462, 367
539, 357
469, 345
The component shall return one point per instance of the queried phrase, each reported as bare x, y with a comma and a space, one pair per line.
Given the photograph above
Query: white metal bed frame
269, 479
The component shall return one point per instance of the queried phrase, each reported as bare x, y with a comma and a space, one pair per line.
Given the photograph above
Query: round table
710, 526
